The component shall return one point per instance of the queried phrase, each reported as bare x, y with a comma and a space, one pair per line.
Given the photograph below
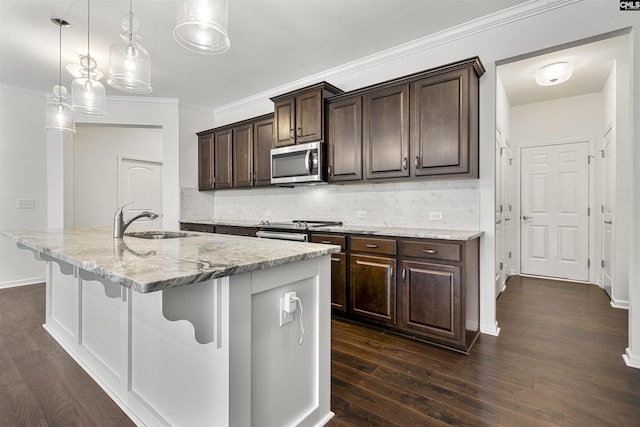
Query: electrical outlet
286, 310
26, 204
435, 216
362, 214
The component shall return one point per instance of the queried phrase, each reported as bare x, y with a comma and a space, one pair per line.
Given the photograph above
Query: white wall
192, 120
22, 176
95, 168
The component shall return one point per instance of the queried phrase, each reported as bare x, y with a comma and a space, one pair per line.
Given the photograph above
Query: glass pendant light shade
58, 114
88, 95
129, 62
202, 26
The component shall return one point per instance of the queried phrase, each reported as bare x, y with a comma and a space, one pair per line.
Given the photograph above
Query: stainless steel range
297, 230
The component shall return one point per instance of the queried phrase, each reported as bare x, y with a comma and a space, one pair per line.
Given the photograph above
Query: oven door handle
297, 237
307, 162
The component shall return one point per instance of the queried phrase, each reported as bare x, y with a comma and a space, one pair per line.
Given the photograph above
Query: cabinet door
223, 160
373, 290
262, 145
339, 281
440, 140
345, 140
243, 156
284, 116
386, 133
309, 117
205, 162
431, 300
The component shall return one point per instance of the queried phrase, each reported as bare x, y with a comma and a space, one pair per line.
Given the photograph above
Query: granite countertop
148, 265
411, 232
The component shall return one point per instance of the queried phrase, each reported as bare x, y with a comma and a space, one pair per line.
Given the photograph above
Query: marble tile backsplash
408, 204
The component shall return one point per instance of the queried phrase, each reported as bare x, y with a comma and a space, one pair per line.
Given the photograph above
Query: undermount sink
158, 234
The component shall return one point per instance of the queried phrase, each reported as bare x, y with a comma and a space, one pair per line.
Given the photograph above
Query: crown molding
476, 26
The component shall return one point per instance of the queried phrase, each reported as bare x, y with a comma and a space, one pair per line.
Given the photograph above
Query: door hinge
602, 208
500, 266
589, 211
588, 159
509, 254
510, 161
588, 262
500, 208
603, 153
602, 263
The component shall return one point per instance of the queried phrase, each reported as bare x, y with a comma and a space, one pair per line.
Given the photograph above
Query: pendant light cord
59, 63
88, 31
130, 22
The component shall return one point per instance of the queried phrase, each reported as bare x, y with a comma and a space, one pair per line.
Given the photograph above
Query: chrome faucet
119, 224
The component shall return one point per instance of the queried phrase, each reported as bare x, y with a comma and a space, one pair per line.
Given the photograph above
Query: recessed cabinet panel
373, 290
223, 159
431, 299
262, 145
205, 162
345, 140
309, 117
243, 156
386, 133
440, 115
285, 122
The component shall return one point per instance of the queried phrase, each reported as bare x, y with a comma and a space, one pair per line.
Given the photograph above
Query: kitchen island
189, 331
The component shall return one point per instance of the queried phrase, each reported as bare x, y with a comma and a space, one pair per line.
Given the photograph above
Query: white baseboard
22, 282
619, 304
490, 329
630, 359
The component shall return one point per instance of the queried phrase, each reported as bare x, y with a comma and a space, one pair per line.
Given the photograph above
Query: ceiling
592, 63
273, 42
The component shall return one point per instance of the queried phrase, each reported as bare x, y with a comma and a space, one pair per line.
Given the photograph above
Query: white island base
205, 354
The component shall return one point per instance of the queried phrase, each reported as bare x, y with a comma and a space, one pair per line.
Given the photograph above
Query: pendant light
88, 95
129, 63
202, 26
58, 115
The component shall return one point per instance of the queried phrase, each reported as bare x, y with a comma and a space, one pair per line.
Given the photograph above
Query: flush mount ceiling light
129, 63
202, 26
58, 115
554, 74
88, 95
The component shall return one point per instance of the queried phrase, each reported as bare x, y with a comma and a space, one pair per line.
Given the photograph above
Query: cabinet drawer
330, 239
236, 231
373, 245
428, 249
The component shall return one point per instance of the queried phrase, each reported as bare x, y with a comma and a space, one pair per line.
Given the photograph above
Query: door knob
526, 218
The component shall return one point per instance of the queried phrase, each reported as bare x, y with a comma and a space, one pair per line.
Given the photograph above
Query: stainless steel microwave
298, 164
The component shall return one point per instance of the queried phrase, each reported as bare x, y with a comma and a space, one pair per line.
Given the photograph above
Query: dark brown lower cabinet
192, 226
236, 231
339, 281
373, 288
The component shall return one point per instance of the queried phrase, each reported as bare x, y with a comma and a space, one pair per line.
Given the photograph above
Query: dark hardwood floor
556, 362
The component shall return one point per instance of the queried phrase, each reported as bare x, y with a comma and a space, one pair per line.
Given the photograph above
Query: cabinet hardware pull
335, 259
371, 246
299, 132
290, 133
329, 171
608, 222
498, 222
417, 163
404, 274
430, 251
326, 242
404, 164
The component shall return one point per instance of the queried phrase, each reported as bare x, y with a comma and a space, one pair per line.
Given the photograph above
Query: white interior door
554, 206
608, 200
499, 277
140, 181
508, 178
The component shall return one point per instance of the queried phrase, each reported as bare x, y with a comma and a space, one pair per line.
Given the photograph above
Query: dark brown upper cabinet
223, 159
243, 156
444, 126
386, 132
262, 145
205, 161
299, 115
344, 139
